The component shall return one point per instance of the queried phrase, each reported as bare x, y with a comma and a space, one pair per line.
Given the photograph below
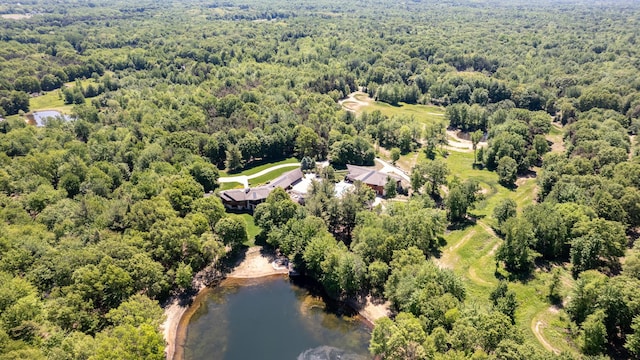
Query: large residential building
372, 178
247, 199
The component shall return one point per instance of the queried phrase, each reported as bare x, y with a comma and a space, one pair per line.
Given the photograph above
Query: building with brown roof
372, 178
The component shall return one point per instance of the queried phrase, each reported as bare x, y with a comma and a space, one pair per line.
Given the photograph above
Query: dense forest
103, 218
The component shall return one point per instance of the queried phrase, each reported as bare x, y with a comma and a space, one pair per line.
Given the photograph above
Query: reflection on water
329, 353
271, 319
39, 118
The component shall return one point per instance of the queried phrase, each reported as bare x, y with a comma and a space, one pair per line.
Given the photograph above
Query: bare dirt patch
355, 101
371, 309
523, 179
15, 16
257, 264
458, 142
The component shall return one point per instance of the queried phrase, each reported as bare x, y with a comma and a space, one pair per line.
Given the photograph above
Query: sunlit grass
230, 185
54, 100
252, 229
257, 169
424, 114
474, 259
263, 179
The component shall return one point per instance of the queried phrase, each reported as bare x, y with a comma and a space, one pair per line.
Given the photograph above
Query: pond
39, 118
271, 318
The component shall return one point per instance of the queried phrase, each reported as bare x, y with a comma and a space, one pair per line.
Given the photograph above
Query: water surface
271, 318
39, 118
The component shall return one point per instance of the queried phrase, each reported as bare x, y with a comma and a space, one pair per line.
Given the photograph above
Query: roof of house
287, 179
261, 192
251, 194
369, 176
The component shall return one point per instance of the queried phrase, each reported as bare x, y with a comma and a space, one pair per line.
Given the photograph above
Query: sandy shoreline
255, 264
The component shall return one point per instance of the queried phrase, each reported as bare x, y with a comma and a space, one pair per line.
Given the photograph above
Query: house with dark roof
248, 199
244, 199
372, 178
287, 180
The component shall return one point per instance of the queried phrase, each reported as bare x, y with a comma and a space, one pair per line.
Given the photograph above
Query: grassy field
260, 180
263, 179
424, 114
229, 186
54, 100
257, 169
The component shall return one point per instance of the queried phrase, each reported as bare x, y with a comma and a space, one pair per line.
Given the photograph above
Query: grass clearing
257, 169
263, 179
474, 261
54, 100
472, 252
230, 186
252, 229
424, 114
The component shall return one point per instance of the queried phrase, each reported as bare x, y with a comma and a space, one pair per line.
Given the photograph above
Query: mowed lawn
260, 180
54, 100
424, 114
263, 179
257, 169
252, 229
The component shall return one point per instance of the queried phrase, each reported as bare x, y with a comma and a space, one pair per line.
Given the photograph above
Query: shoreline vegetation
257, 264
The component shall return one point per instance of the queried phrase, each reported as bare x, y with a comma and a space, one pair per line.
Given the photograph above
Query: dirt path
352, 104
487, 228
449, 257
244, 179
475, 278
15, 16
459, 144
536, 328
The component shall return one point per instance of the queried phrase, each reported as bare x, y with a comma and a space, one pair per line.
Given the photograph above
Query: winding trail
535, 327
487, 228
351, 102
461, 145
447, 260
244, 179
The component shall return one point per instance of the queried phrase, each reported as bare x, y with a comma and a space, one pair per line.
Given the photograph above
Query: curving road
244, 179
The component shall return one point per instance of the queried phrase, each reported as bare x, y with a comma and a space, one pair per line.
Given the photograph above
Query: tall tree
515, 251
